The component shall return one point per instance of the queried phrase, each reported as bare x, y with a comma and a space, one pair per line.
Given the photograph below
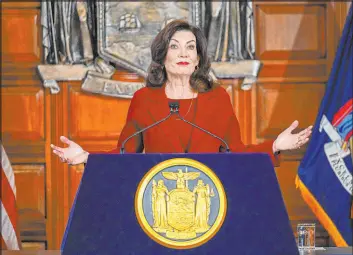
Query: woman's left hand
288, 141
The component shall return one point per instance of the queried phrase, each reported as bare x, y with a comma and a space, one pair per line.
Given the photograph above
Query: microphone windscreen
174, 105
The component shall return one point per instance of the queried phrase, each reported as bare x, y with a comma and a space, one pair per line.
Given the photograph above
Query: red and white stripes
8, 205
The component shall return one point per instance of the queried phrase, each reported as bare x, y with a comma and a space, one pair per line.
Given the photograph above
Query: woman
180, 72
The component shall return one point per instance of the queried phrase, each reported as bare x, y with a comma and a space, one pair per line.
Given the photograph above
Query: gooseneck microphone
175, 105
172, 107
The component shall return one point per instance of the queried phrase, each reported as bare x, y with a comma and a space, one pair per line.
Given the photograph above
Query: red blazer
211, 110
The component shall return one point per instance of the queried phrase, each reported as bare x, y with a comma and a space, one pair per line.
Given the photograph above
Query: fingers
59, 153
303, 136
65, 140
62, 157
293, 126
308, 129
290, 141
305, 133
301, 140
54, 147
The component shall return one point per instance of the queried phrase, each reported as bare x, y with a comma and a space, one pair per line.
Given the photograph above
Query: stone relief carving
96, 36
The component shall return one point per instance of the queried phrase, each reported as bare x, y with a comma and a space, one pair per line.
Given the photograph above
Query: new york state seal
180, 203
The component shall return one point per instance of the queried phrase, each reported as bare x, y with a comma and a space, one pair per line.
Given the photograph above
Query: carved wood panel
21, 47
30, 183
20, 26
273, 23
26, 104
277, 105
294, 40
30, 180
93, 117
22, 123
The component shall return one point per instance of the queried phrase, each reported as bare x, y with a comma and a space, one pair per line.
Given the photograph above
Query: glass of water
306, 235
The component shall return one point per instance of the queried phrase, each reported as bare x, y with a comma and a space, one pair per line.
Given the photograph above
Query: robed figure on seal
159, 205
203, 206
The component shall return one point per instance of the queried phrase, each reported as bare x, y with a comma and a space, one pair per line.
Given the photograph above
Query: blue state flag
325, 173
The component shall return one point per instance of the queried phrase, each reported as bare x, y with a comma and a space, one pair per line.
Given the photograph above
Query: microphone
172, 107
176, 111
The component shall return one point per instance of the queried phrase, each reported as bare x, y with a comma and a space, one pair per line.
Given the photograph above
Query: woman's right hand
73, 155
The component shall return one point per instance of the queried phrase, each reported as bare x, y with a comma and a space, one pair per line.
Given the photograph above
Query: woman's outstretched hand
288, 141
73, 154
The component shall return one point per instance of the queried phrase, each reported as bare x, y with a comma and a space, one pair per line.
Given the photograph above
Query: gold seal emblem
180, 203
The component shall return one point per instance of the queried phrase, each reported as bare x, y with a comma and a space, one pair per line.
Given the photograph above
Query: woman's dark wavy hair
200, 80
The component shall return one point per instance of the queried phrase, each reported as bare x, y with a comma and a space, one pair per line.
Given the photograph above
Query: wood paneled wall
296, 42
23, 117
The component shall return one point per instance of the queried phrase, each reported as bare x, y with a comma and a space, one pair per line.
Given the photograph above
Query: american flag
9, 235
